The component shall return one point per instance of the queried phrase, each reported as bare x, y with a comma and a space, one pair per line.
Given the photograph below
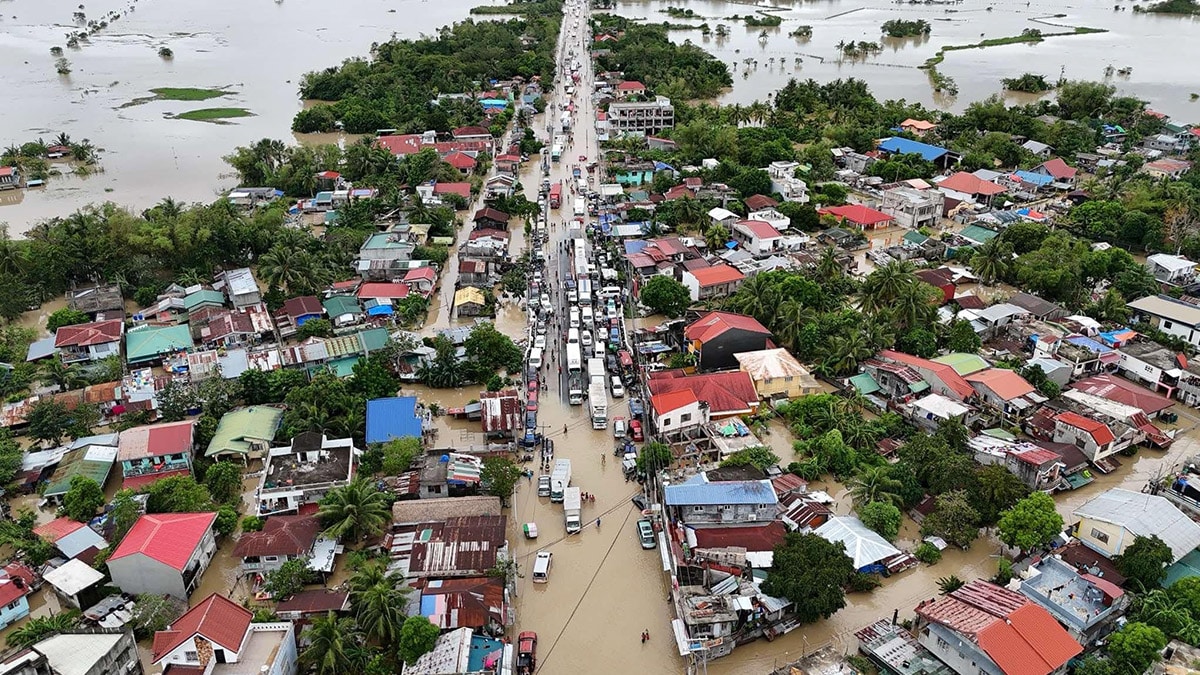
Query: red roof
316, 601
759, 202
471, 602
7, 170
87, 334
1036, 456
858, 214
751, 537
461, 189
487, 232
470, 131
303, 306
407, 144
136, 483
1099, 432
281, 535
717, 274
11, 591
714, 324
1057, 168
217, 618
1116, 389
383, 289
727, 393
671, 401
460, 160
57, 529
1006, 384
945, 373
420, 273
761, 229
169, 538
679, 192
488, 213
630, 85
970, 184
329, 175
1030, 642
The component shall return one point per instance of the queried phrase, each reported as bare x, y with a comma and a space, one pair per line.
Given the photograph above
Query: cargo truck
556, 152
572, 508
596, 371
598, 404
556, 195
560, 479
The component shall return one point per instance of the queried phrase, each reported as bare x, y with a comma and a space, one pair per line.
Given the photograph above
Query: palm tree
65, 376
331, 644
355, 510
63, 138
283, 268
847, 351
716, 236
40, 627
916, 305
689, 210
885, 285
873, 484
992, 260
379, 611
950, 584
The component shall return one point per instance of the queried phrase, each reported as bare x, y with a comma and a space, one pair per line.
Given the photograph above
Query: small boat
530, 530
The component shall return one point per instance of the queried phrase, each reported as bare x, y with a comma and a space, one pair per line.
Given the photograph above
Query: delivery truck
560, 479
572, 509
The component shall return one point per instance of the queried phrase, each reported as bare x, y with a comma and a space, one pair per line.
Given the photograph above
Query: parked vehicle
543, 489
618, 389
541, 567
646, 533
527, 651
530, 530
635, 429
619, 427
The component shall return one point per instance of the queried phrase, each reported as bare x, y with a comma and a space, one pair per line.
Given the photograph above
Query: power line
567, 536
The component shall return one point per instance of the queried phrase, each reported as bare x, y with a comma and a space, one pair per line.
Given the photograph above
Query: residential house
240, 286
502, 414
76, 583
219, 637
284, 538
1112, 520
1169, 315
1162, 370
911, 208
716, 338
966, 187
245, 432
863, 545
296, 477
471, 133
384, 256
470, 301
152, 452
939, 377
164, 554
89, 341
1168, 144
500, 185
697, 502
891, 647
717, 281
250, 197
758, 237
1005, 392
897, 145
1038, 467
14, 600
776, 219
1096, 439
1167, 168
10, 178
677, 411
221, 328
929, 411
941, 279
491, 219
421, 280
93, 460
785, 183
861, 216
722, 216
630, 88
93, 651
759, 203
989, 321
343, 310
1120, 390
1062, 173
1037, 148
917, 127
1040, 309
313, 603
464, 546
1173, 270
1085, 604
476, 603
389, 418
71, 537
296, 312
147, 345
473, 272
984, 629
641, 117
98, 302
726, 394
777, 374
461, 161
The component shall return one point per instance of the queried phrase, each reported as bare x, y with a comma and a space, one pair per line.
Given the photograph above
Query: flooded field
1157, 47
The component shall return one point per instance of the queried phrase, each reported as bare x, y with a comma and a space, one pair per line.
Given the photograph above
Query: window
666, 422
724, 507
1099, 536
685, 417
270, 558
192, 657
12, 605
942, 644
697, 509
1166, 324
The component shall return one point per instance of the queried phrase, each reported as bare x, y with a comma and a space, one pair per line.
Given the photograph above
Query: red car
635, 429
526, 653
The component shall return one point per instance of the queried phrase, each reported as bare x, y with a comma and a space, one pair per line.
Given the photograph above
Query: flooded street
1157, 47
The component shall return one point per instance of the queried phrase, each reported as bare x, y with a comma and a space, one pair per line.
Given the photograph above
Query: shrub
927, 553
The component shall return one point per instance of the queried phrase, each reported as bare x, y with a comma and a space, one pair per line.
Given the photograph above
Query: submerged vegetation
1028, 82
644, 53
946, 83
899, 28
213, 114
1170, 7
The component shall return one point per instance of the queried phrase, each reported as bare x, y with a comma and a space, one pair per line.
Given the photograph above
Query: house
863, 545
93, 460
1085, 604
897, 145
99, 302
895, 650
421, 280
1173, 317
1162, 370
400, 145
967, 187
785, 183
297, 476
717, 281
676, 411
776, 219
759, 203
470, 602
929, 411
641, 117
14, 600
491, 219
1167, 168
1005, 391
1038, 467
699, 503
630, 88
285, 538
463, 546
863, 217
941, 279
1039, 308
245, 432
240, 286
296, 312
470, 301
10, 178
758, 237
76, 583
1112, 520
219, 637
389, 418
93, 651
502, 414
151, 344
716, 338
499, 185
984, 629
152, 452
471, 133
461, 161
939, 377
220, 328
343, 310
777, 374
313, 603
89, 341
917, 127
1173, 270
1119, 390
722, 216
1057, 169
70, 537
1037, 148
164, 554
911, 208
250, 197
446, 188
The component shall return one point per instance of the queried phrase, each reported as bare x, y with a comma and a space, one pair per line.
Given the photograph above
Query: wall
1117, 536
17, 609
138, 573
285, 657
673, 421
122, 658
719, 353
956, 651
728, 514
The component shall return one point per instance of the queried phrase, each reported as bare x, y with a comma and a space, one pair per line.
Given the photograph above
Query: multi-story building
645, 117
911, 208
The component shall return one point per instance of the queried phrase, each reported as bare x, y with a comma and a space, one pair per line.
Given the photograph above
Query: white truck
560, 479
596, 371
566, 121
598, 404
580, 207
572, 509
585, 292
574, 357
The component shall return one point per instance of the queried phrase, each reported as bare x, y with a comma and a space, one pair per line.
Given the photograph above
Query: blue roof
697, 491
903, 146
481, 648
1089, 343
635, 245
389, 418
1035, 178
663, 166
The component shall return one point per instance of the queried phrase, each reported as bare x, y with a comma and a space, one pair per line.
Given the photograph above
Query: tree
881, 517
1030, 523
315, 328
664, 295
1035, 376
48, 421
992, 260
373, 378
963, 338
875, 484
492, 350
123, 513
1135, 647
177, 494
811, 572
39, 628
224, 482
1080, 100
152, 613
11, 457
994, 490
1144, 562
379, 611
66, 317
288, 579
175, 400
226, 521
398, 455
947, 585
953, 519
355, 510
759, 456
654, 457
417, 637
332, 643
82, 499
499, 476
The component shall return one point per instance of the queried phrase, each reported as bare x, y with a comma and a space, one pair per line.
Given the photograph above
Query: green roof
385, 240
918, 386
206, 296
341, 304
1188, 566
357, 344
151, 342
1002, 434
343, 367
92, 461
864, 383
239, 428
962, 363
977, 233
914, 237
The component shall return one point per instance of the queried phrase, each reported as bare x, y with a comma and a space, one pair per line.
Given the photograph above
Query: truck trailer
560, 479
598, 404
572, 509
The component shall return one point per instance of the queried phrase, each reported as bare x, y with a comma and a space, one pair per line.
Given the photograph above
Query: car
541, 567
635, 429
543, 489
539, 342
544, 300
618, 389
619, 427
586, 338
646, 534
610, 362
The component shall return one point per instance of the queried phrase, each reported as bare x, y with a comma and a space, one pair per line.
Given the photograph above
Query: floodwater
1159, 48
258, 50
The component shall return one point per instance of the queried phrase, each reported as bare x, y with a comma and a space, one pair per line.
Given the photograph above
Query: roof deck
1070, 596
295, 470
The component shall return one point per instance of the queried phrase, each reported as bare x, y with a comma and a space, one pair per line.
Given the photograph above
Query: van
619, 428
541, 567
618, 389
598, 350
588, 317
535, 357
573, 336
543, 488
610, 292
574, 317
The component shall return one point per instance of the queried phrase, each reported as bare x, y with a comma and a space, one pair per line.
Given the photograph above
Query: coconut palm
884, 286
689, 211
992, 260
716, 236
873, 484
916, 305
847, 351
379, 611
949, 584
67, 377
283, 268
355, 510
331, 646
37, 628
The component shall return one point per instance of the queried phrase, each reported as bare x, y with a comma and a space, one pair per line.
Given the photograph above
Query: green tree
953, 518
811, 572
994, 490
1030, 523
881, 517
224, 482
152, 613
1135, 647
1035, 376
177, 494
947, 585
373, 378
1144, 562
992, 260
227, 520
654, 457
11, 457
963, 338
399, 454
417, 637
1079, 99
355, 510
315, 328
66, 317
39, 628
332, 646
759, 456
175, 400
123, 513
379, 611
664, 295
875, 484
256, 387
288, 579
499, 476
82, 499
492, 350
48, 421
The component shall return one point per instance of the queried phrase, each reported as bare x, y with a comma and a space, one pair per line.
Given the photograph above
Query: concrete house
777, 374
1171, 316
282, 538
300, 474
677, 411
296, 312
1111, 521
641, 117
785, 183
217, 637
95, 651
911, 208
1005, 392
718, 337
89, 341
240, 286
1173, 270
152, 452
1162, 370
758, 237
1086, 605
699, 502
14, 601
245, 432
717, 281
165, 554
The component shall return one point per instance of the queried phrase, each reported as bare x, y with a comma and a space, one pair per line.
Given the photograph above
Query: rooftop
311, 459
88, 334
864, 546
155, 440
717, 274
217, 618
77, 653
1168, 307
1005, 383
892, 645
147, 343
903, 146
1123, 391
257, 653
239, 429
73, 577
471, 602
92, 461
858, 214
771, 364
970, 184
169, 538
962, 363
729, 392
1079, 600
713, 324
1144, 515
749, 537
433, 510
394, 417
698, 491
280, 535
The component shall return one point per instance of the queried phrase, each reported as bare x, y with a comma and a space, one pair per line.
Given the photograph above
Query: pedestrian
597, 523
643, 637
564, 430
646, 633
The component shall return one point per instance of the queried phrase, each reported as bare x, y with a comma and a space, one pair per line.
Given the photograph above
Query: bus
556, 195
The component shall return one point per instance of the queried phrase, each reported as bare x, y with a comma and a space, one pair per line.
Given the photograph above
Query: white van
541, 567
574, 317
573, 336
618, 389
588, 317
598, 350
610, 292
535, 357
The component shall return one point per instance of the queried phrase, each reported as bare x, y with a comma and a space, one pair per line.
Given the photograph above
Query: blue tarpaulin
389, 418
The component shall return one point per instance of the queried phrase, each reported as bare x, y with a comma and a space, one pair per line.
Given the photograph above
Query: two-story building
785, 183
241, 287
285, 538
1005, 392
219, 637
912, 208
1085, 604
758, 237
1161, 370
91, 651
1111, 521
14, 597
300, 474
152, 452
724, 394
717, 338
677, 411
89, 341
777, 374
1173, 270
164, 554
641, 117
697, 502
296, 312
716, 281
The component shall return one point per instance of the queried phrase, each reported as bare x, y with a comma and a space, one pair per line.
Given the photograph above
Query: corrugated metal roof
863, 545
697, 491
1144, 515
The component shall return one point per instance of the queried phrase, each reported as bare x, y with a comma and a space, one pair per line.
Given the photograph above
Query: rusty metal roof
460, 547
501, 410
